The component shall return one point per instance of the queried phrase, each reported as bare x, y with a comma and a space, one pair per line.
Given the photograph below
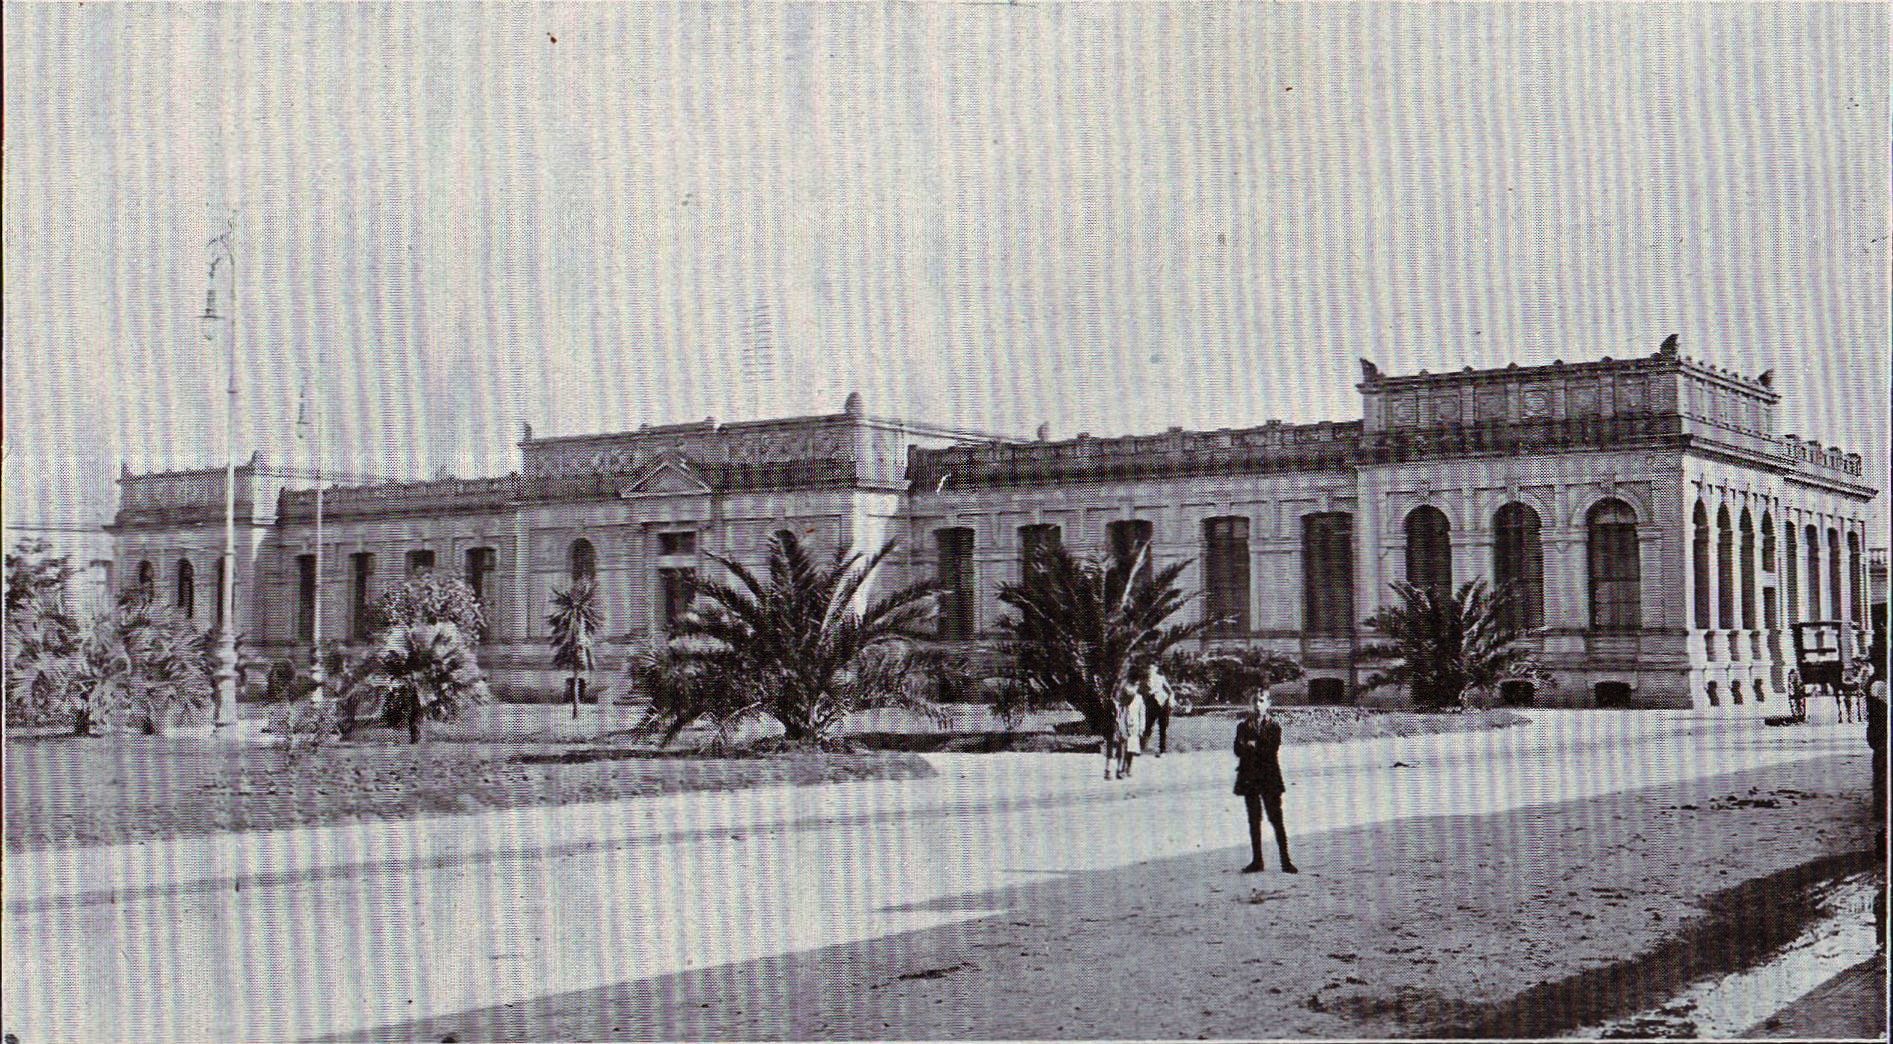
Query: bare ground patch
1516, 924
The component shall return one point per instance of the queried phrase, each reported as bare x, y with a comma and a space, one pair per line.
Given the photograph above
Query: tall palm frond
1081, 628
795, 642
1446, 644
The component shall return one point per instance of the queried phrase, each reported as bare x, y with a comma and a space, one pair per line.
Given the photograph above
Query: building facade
1661, 535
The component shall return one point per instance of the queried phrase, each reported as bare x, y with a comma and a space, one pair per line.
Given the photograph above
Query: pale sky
1111, 218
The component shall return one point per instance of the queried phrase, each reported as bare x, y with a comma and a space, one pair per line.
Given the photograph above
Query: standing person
1797, 697
1876, 738
1159, 700
1130, 733
1259, 777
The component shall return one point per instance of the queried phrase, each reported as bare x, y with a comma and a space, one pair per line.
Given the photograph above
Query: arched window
1791, 558
1854, 575
1836, 606
1747, 565
1768, 542
1725, 571
583, 560
1813, 537
146, 586
1327, 573
1226, 575
1699, 568
1616, 568
1518, 563
186, 598
1429, 549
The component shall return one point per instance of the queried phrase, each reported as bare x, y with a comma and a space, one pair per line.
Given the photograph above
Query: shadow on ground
1519, 924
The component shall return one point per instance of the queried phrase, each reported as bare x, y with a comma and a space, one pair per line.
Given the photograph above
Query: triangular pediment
668, 478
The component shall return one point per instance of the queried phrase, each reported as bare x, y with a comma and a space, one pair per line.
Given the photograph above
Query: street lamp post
318, 671
226, 672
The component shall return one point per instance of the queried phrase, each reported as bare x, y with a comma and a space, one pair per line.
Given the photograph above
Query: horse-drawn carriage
1824, 660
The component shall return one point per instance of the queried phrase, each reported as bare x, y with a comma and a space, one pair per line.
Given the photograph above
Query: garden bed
112, 789
1210, 730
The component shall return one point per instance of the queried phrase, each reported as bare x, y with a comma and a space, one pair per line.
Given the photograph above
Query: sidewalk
967, 783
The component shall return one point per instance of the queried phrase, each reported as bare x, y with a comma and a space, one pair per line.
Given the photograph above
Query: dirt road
1445, 879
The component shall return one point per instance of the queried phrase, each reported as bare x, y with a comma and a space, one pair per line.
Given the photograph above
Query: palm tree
1448, 644
430, 672
575, 621
803, 645
1082, 629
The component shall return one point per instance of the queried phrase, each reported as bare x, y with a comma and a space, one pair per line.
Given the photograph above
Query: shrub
431, 598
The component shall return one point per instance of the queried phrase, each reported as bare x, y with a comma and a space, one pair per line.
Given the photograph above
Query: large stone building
1662, 534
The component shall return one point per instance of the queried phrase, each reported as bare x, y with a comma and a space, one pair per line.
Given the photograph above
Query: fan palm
803, 644
430, 672
1447, 644
575, 620
1082, 628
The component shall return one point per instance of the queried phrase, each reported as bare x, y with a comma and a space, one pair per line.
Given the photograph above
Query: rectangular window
955, 577
361, 593
1327, 571
305, 597
1226, 575
1130, 541
680, 543
1036, 544
480, 564
420, 561
676, 593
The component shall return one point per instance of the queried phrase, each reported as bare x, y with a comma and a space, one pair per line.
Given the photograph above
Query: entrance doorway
1329, 691
1611, 694
1517, 693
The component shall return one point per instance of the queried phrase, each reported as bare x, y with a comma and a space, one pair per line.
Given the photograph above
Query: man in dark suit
1259, 777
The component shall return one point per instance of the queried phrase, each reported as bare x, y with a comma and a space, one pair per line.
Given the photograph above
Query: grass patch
115, 789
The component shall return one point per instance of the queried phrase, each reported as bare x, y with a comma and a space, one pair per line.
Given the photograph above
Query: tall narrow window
361, 593
1856, 592
1699, 568
305, 597
1518, 563
1616, 567
420, 561
1835, 605
582, 560
1813, 537
1747, 563
1768, 542
1226, 575
186, 600
1327, 572
1725, 571
1130, 541
676, 583
481, 562
1429, 550
1792, 559
955, 578
146, 586
1036, 547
